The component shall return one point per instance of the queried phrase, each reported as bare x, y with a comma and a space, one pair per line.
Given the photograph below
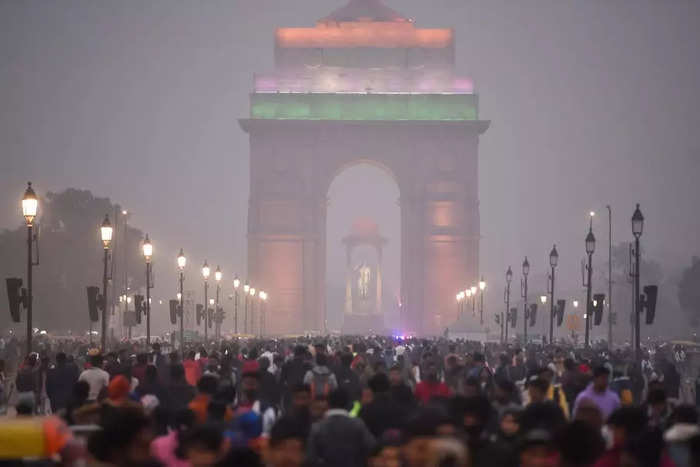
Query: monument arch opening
364, 81
363, 250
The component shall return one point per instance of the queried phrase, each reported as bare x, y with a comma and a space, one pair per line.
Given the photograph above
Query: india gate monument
364, 85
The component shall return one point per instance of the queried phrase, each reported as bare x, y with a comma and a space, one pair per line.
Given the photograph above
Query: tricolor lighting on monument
365, 84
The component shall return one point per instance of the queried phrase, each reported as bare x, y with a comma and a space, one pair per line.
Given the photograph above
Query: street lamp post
504, 330
263, 299
523, 293
106, 232
205, 274
181, 263
236, 285
482, 287
148, 254
246, 291
590, 249
553, 261
637, 230
473, 295
30, 203
460, 302
217, 276
252, 310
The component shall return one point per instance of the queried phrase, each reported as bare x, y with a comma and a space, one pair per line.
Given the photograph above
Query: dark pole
245, 314
206, 311
551, 311
148, 303
252, 315
610, 291
507, 309
588, 298
104, 302
182, 316
637, 308
30, 262
481, 306
235, 311
217, 331
525, 313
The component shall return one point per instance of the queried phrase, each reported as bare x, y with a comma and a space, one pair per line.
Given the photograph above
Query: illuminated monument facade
364, 85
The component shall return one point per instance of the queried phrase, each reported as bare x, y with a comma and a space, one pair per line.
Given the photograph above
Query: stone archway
299, 140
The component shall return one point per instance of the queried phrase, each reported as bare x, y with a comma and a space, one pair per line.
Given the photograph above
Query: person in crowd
202, 445
320, 378
401, 391
179, 392
206, 390
193, 370
250, 396
347, 379
269, 389
683, 427
287, 444
164, 448
294, 371
625, 425
658, 407
96, 377
138, 371
27, 381
59, 383
599, 393
118, 446
151, 385
431, 386
383, 413
339, 440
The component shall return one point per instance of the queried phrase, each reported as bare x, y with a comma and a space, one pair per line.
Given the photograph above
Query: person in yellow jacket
539, 389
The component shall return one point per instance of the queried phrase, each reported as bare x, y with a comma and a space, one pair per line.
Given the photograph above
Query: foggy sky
592, 102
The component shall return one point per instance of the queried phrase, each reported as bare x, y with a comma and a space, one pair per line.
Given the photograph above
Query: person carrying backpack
320, 378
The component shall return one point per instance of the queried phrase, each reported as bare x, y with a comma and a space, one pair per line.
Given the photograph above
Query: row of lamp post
591, 303
469, 295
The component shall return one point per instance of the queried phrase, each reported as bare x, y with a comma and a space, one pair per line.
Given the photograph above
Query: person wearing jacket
59, 382
339, 440
320, 378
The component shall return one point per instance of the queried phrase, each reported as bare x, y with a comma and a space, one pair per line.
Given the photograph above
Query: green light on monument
422, 107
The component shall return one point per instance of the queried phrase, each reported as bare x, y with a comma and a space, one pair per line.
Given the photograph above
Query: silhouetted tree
689, 291
70, 259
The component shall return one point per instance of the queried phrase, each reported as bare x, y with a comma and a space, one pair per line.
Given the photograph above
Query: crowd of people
361, 401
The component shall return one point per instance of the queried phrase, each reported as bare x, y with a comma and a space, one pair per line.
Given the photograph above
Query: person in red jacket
431, 386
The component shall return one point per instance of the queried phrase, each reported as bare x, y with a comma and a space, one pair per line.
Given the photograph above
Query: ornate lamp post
252, 292
217, 276
181, 263
637, 230
236, 285
590, 249
523, 293
263, 298
473, 295
553, 261
504, 329
246, 291
205, 274
148, 254
482, 287
460, 302
106, 232
30, 205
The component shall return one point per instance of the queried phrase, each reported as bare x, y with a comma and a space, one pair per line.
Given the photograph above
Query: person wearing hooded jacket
320, 378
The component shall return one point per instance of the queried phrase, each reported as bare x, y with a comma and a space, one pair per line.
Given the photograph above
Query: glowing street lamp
236, 286
543, 299
106, 232
148, 254
504, 317
246, 293
553, 262
181, 263
482, 287
205, 274
590, 249
30, 205
637, 230
252, 292
217, 276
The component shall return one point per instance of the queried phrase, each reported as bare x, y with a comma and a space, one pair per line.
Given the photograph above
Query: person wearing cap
599, 393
